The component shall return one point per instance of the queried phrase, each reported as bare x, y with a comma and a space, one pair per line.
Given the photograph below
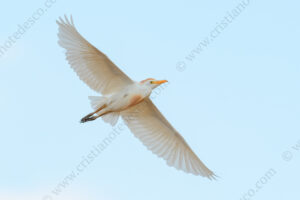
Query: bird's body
119, 101
128, 99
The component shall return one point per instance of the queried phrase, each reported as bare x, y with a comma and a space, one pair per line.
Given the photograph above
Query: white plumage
128, 99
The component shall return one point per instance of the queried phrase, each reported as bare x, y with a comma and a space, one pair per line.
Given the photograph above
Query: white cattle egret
128, 99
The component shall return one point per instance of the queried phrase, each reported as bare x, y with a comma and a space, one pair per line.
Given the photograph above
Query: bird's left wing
90, 64
156, 133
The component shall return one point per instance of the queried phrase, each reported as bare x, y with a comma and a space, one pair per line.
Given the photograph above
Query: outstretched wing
156, 133
90, 64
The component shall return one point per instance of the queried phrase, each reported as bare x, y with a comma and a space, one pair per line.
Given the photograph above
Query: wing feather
91, 65
157, 134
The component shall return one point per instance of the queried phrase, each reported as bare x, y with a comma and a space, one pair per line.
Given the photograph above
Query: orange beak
160, 82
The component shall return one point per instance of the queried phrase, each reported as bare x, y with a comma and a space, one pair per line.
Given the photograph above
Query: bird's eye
151, 82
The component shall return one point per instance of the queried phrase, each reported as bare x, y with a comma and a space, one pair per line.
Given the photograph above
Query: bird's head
151, 82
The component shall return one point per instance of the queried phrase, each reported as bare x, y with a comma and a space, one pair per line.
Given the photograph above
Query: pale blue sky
237, 102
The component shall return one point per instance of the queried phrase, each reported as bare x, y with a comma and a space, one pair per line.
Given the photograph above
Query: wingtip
65, 20
72, 22
213, 177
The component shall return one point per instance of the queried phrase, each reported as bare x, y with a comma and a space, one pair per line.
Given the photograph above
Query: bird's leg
91, 117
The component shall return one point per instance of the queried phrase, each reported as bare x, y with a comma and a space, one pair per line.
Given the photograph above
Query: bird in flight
128, 99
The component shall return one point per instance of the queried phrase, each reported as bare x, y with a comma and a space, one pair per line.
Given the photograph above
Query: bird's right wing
156, 133
90, 64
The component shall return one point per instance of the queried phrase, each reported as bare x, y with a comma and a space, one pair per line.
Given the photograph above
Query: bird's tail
97, 102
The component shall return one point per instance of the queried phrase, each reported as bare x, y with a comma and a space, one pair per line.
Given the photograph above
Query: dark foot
87, 119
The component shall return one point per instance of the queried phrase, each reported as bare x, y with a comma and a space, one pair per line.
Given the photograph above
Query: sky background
236, 103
